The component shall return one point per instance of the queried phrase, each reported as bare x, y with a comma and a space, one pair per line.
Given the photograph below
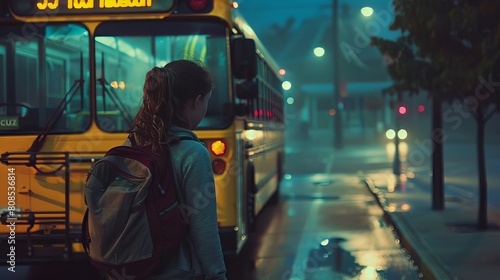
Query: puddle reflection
332, 256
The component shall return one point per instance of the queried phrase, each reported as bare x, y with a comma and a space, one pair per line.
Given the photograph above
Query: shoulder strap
85, 230
131, 138
167, 153
168, 157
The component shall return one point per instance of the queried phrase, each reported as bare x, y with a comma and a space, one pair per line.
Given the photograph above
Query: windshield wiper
54, 117
107, 88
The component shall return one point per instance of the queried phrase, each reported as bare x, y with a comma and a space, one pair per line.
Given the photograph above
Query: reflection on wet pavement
331, 259
325, 227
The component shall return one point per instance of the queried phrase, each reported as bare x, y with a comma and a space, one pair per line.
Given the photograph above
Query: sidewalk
444, 243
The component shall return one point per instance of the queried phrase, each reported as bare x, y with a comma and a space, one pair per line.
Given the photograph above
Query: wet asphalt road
327, 224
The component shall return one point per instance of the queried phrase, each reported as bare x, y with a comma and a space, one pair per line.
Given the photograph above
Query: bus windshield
126, 51
44, 74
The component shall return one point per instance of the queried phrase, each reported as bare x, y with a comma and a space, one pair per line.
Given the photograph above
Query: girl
175, 100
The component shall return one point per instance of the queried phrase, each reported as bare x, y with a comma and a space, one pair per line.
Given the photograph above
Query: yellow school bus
71, 82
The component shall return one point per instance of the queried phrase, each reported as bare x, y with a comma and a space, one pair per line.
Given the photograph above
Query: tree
451, 50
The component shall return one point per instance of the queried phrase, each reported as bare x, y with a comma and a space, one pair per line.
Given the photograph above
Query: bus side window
29, 121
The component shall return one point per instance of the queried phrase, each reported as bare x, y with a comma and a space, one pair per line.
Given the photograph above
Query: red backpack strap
85, 232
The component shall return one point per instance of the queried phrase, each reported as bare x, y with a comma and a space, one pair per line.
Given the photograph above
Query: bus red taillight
218, 166
218, 147
197, 5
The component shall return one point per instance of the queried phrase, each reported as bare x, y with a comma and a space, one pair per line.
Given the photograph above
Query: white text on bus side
8, 122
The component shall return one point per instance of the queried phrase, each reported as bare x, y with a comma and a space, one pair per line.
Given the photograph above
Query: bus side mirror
244, 58
247, 90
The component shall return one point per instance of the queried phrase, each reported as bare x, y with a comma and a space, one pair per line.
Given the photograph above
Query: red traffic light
402, 110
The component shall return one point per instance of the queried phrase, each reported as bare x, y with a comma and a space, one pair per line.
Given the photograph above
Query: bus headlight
402, 134
390, 134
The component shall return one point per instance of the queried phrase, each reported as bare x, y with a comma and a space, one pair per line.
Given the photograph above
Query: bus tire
250, 190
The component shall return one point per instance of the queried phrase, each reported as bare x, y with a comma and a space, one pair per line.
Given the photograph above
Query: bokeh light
402, 134
286, 85
319, 51
390, 134
367, 11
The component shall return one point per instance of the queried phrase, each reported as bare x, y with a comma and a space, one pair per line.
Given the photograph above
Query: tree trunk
437, 156
481, 163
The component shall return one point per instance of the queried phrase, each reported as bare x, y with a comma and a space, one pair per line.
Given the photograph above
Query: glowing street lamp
286, 85
366, 11
319, 51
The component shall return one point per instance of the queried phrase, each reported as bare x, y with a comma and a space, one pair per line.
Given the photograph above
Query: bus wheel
275, 199
250, 190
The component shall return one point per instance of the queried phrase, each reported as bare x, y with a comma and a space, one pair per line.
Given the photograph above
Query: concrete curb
431, 266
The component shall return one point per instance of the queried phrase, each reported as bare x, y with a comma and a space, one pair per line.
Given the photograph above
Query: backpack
132, 212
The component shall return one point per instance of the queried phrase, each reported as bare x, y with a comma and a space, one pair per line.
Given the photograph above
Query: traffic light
402, 110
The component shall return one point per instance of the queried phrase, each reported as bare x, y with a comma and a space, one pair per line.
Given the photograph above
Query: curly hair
166, 91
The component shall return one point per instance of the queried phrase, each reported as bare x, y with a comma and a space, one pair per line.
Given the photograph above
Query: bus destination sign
88, 7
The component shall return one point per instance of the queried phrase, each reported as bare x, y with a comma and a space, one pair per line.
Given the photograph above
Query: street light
366, 11
319, 51
286, 85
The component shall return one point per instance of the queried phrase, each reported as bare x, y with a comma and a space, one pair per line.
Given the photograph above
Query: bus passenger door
241, 194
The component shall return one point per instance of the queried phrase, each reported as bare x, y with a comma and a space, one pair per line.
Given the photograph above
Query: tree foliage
448, 48
451, 50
